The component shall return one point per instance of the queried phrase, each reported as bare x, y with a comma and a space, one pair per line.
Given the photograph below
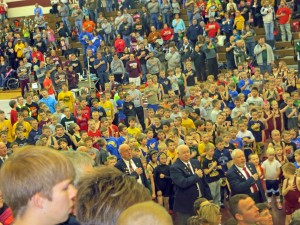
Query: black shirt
214, 175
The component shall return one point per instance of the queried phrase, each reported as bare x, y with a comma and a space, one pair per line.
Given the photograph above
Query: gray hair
234, 152
80, 161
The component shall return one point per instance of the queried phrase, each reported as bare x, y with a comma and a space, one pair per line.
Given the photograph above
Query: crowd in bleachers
161, 101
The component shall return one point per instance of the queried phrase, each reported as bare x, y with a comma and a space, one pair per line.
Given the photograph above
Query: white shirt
134, 167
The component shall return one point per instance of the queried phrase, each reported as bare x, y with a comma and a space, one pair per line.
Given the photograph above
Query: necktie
189, 167
255, 188
130, 167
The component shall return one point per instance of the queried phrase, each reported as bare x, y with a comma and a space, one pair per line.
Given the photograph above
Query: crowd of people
162, 111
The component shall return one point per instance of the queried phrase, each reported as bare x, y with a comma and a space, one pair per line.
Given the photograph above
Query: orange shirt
89, 26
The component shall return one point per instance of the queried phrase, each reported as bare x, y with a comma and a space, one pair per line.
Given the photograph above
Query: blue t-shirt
223, 157
238, 143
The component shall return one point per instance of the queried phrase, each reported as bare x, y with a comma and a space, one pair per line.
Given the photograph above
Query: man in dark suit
189, 183
3, 153
131, 166
243, 178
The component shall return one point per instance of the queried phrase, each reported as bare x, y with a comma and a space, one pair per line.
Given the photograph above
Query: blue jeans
109, 6
103, 78
250, 49
127, 39
154, 19
166, 18
66, 21
265, 67
269, 29
144, 72
84, 55
92, 15
154, 107
190, 17
78, 25
2, 17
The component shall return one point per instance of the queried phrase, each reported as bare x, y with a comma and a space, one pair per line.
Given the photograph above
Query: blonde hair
32, 170
270, 151
210, 212
103, 194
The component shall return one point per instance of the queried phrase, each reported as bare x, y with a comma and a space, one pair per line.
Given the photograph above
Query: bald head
82, 149
184, 153
3, 149
146, 213
125, 151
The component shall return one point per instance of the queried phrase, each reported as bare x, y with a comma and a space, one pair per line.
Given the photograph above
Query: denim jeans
154, 19
109, 6
269, 29
92, 15
265, 67
166, 18
285, 31
190, 17
103, 78
66, 21
2, 17
78, 25
144, 72
151, 106
250, 49
127, 39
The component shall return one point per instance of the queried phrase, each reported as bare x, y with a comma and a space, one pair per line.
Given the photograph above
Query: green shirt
264, 56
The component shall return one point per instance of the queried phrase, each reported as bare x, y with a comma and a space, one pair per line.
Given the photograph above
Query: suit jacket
239, 184
121, 165
186, 191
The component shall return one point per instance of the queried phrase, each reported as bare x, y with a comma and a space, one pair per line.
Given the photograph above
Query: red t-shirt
113, 131
38, 55
284, 10
13, 116
213, 32
120, 45
48, 82
167, 34
92, 134
82, 122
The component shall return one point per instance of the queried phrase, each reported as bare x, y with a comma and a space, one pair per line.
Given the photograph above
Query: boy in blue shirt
112, 144
222, 156
256, 127
237, 142
151, 142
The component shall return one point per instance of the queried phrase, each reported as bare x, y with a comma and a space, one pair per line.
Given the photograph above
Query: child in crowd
271, 169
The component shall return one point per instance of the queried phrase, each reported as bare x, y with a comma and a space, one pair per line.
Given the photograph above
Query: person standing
154, 10
77, 14
131, 166
297, 48
230, 46
264, 55
189, 182
133, 68
151, 93
243, 178
64, 13
102, 67
284, 14
267, 12
211, 54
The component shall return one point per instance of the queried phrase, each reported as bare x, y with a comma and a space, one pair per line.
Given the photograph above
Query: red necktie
130, 167
255, 188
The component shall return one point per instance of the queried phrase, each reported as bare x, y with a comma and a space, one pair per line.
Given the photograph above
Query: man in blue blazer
243, 178
189, 182
131, 166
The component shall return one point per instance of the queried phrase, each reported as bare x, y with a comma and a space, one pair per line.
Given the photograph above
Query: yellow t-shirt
172, 155
239, 22
68, 99
134, 132
188, 123
108, 107
7, 124
27, 129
